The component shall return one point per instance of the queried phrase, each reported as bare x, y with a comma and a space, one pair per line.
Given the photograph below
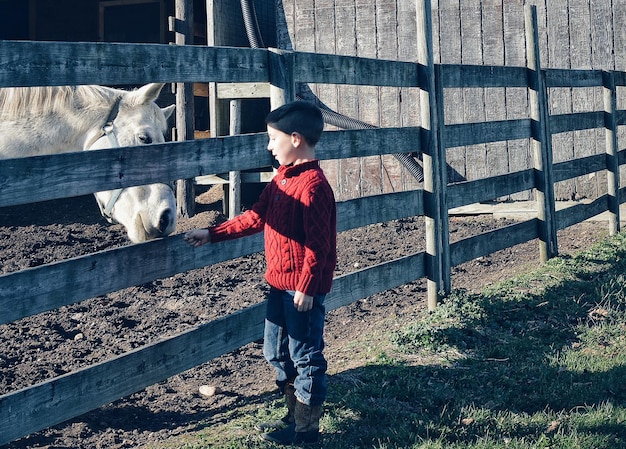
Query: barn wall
573, 33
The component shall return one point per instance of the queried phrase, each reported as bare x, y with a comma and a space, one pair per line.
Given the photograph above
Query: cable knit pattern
298, 214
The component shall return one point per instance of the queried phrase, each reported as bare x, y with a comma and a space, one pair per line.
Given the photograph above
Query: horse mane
18, 102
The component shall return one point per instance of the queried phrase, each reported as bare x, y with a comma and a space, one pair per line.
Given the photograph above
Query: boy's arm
248, 223
319, 214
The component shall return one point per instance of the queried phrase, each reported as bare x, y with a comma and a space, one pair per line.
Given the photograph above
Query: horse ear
168, 111
148, 93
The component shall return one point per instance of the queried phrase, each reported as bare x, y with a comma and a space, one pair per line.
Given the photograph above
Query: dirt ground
51, 344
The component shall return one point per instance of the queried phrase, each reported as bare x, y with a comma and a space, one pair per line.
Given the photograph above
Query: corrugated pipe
330, 117
251, 24
341, 121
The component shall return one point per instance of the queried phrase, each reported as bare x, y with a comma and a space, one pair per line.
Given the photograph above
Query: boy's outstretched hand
197, 237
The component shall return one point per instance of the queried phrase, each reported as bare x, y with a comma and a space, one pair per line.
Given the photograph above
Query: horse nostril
144, 139
165, 220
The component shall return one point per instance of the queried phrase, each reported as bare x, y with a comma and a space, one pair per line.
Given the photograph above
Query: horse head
137, 120
57, 119
147, 211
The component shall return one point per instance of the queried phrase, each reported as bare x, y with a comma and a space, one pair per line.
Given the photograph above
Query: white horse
49, 120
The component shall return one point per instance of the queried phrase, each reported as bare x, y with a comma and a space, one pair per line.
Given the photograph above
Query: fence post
435, 206
541, 139
182, 25
282, 84
234, 177
612, 163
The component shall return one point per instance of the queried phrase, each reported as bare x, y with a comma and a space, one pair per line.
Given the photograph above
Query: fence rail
22, 181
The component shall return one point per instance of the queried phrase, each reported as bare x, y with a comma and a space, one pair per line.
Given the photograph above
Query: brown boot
305, 429
290, 401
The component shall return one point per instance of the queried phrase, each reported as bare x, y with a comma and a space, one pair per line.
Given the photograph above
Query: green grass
535, 362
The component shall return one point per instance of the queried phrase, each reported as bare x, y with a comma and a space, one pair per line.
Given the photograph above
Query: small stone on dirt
208, 390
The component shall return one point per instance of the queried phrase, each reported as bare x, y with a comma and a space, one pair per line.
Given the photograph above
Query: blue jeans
293, 345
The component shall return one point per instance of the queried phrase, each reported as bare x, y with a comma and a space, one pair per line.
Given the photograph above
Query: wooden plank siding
558, 55
516, 98
574, 34
47, 287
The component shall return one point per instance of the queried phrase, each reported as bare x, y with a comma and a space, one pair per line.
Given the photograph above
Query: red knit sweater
298, 214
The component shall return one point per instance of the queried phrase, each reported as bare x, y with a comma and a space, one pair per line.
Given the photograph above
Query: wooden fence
585, 34
48, 287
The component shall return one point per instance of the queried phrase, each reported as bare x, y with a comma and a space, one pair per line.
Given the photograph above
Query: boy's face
282, 146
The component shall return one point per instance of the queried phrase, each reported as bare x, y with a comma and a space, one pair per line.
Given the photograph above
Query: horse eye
145, 139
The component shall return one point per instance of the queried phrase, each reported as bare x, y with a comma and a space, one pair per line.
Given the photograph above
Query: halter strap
106, 211
108, 131
107, 128
113, 112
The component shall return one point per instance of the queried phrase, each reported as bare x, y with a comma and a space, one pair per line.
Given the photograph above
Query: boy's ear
296, 139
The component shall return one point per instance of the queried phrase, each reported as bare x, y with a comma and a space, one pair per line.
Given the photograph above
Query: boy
297, 212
